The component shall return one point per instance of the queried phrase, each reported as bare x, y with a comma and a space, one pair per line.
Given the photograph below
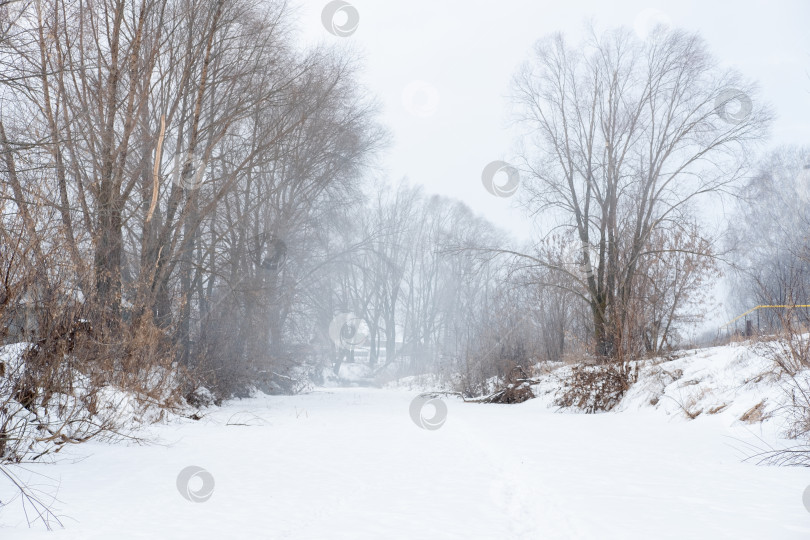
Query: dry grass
755, 414
594, 388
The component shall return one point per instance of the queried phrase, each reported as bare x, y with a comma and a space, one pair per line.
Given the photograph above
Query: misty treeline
190, 199
626, 140
171, 174
186, 203
770, 243
628, 148
771, 238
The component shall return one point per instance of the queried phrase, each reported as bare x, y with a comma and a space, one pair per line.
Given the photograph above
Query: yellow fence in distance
789, 306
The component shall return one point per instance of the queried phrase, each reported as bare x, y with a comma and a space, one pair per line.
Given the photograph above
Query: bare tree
769, 235
623, 136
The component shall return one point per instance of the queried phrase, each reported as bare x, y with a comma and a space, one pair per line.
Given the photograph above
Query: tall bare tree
623, 136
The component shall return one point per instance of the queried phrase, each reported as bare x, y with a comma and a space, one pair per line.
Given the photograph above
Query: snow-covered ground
351, 463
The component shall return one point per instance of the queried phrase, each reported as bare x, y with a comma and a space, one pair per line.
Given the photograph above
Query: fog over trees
192, 208
769, 239
206, 256
181, 172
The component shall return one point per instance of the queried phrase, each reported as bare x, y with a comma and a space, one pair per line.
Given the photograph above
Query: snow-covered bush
791, 355
595, 388
72, 386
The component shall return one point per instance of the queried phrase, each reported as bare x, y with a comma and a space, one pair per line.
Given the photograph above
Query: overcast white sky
456, 58
465, 53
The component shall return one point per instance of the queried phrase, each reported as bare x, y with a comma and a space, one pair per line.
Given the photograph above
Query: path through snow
350, 464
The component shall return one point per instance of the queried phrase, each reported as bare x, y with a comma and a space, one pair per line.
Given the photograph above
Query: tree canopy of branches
769, 238
623, 137
176, 152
